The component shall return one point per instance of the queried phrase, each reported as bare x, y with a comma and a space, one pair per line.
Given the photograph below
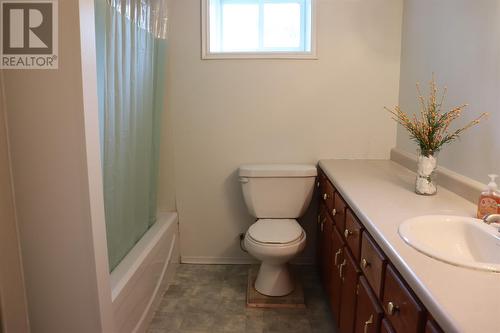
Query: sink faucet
493, 220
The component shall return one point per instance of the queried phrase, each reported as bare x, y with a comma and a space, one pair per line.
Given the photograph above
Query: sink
456, 240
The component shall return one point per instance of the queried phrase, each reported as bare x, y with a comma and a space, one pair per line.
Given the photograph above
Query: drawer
368, 311
386, 327
339, 213
352, 233
402, 309
373, 263
320, 181
432, 327
327, 195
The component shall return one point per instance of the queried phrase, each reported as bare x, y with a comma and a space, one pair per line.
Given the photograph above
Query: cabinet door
326, 250
368, 311
338, 260
349, 275
320, 238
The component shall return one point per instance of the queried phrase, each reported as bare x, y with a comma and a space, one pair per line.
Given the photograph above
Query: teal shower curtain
131, 47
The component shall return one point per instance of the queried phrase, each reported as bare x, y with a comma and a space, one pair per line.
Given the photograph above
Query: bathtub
138, 282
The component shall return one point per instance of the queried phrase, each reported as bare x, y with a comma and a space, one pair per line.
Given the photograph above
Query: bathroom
322, 106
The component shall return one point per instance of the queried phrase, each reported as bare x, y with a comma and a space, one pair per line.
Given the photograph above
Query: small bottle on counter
489, 200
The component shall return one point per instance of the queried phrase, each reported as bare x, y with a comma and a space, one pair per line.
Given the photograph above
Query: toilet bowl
276, 195
274, 243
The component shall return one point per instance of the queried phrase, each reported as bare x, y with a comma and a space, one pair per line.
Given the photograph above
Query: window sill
260, 55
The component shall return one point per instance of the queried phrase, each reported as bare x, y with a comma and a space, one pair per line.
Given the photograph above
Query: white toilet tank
277, 191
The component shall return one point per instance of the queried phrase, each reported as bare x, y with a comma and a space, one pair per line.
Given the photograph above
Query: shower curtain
131, 45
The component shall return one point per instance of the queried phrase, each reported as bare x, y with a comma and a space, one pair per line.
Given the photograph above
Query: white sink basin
460, 241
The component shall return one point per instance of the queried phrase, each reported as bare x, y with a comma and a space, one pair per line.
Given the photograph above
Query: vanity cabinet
366, 292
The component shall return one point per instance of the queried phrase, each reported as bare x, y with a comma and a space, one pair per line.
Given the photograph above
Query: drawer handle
334, 212
325, 196
321, 220
368, 323
365, 263
341, 268
321, 227
347, 233
337, 256
392, 308
317, 184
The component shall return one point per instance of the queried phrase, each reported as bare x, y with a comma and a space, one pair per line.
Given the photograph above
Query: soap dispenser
489, 200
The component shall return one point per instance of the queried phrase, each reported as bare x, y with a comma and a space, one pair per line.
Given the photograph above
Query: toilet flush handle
243, 180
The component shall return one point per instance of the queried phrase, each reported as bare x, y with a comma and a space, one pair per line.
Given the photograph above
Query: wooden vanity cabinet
368, 311
366, 292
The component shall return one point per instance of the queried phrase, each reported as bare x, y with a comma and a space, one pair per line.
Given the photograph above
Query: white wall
459, 40
13, 307
166, 181
53, 132
229, 112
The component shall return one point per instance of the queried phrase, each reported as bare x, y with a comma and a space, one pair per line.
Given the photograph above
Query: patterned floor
211, 299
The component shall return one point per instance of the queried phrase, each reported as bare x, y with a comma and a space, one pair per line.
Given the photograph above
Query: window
258, 29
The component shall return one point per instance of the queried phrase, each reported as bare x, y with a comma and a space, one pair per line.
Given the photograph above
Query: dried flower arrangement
430, 130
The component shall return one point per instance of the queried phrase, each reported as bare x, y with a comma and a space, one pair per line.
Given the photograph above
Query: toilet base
274, 280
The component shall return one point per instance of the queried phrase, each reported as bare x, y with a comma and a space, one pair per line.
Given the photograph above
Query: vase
425, 183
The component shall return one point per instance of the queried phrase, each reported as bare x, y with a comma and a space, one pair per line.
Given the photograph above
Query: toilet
276, 195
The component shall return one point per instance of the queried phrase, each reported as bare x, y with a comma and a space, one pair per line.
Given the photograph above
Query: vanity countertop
381, 193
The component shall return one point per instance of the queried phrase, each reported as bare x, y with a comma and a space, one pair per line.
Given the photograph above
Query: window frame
274, 54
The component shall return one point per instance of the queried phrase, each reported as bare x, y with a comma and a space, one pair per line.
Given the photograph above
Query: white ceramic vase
425, 183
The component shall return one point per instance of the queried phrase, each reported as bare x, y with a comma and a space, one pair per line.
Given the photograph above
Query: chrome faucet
491, 218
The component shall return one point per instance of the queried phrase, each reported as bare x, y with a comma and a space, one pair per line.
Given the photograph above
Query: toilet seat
276, 232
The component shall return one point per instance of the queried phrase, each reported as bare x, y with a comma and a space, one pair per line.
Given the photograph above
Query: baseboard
465, 187
235, 260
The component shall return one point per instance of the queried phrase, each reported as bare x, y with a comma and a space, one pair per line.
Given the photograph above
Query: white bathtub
141, 277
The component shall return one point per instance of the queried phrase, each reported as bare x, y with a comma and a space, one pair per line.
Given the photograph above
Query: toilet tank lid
277, 170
